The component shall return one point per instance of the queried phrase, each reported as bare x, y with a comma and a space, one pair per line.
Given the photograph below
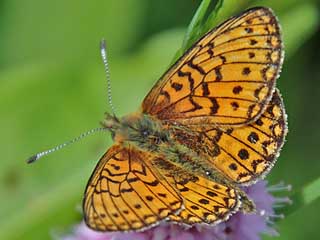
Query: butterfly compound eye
145, 133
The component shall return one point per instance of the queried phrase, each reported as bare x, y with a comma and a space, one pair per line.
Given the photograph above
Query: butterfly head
112, 123
138, 129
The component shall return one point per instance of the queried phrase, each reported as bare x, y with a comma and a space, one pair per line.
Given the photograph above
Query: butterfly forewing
226, 78
124, 193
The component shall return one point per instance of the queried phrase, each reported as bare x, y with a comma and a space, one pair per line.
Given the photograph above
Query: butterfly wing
205, 201
243, 154
124, 193
226, 78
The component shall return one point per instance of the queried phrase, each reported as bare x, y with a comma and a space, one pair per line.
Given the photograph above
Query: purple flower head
240, 226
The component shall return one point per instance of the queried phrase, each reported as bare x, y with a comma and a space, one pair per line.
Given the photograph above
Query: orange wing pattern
248, 153
243, 154
205, 201
219, 107
226, 78
124, 193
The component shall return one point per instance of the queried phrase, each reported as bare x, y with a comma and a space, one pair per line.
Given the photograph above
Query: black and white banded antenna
35, 157
104, 56
39, 155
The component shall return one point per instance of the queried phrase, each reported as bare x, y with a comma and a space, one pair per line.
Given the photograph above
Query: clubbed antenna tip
32, 158
103, 44
35, 157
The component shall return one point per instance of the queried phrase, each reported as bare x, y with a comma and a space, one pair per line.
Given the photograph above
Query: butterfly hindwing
247, 153
205, 201
124, 193
226, 78
243, 154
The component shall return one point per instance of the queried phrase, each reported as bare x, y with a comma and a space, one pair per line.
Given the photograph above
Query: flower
240, 226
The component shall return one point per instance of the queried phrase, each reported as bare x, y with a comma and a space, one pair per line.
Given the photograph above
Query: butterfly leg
247, 206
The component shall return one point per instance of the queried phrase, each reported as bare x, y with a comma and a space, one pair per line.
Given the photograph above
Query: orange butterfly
212, 123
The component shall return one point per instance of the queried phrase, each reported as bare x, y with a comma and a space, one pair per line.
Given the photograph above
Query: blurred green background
52, 88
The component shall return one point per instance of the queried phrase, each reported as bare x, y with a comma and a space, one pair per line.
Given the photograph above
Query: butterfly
213, 123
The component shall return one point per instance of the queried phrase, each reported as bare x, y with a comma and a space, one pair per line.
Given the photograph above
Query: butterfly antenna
44, 153
106, 68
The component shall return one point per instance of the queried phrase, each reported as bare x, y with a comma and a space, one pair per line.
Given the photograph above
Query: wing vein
252, 173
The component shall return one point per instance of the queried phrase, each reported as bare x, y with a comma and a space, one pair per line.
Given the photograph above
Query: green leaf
311, 192
195, 22
224, 9
196, 27
300, 199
